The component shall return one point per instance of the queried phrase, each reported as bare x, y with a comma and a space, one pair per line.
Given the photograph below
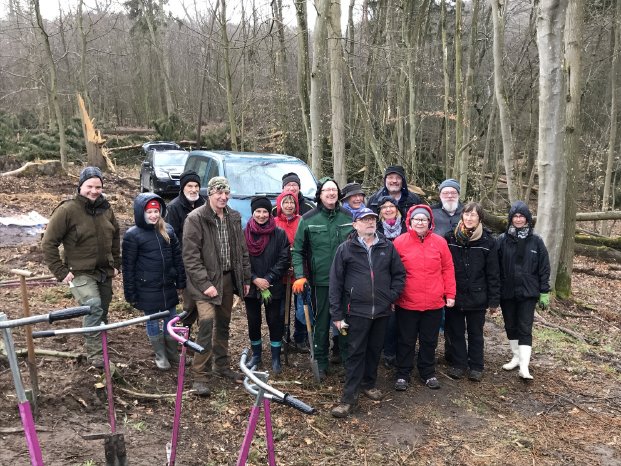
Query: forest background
515, 99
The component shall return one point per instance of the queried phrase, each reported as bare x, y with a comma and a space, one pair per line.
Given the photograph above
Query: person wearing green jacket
319, 233
88, 230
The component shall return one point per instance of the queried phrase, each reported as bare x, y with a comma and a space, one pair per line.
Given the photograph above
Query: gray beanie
420, 210
450, 183
89, 172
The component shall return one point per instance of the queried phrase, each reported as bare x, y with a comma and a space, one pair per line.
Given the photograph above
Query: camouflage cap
218, 183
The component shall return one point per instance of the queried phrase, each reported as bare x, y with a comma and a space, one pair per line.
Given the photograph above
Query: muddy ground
569, 414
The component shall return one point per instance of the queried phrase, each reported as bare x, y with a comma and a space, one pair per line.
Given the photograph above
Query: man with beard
446, 215
87, 228
395, 186
447, 212
176, 213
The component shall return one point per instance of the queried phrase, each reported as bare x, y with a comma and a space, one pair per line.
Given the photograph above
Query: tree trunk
60, 125
614, 96
447, 92
552, 165
318, 86
336, 93
303, 73
227, 76
573, 81
498, 17
459, 124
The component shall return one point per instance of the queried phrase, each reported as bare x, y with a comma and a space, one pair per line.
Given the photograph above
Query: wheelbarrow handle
69, 313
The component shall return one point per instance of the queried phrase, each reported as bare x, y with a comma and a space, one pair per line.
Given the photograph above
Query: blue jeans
153, 326
300, 334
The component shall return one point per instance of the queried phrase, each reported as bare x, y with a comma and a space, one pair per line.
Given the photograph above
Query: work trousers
321, 336
365, 338
421, 326
456, 325
518, 315
213, 332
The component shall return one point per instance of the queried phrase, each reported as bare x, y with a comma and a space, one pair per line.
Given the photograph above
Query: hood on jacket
320, 184
520, 207
279, 201
399, 170
140, 202
409, 215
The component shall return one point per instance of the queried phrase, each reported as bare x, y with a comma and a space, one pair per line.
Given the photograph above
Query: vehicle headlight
161, 173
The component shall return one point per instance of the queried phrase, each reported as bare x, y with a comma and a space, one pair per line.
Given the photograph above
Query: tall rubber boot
335, 358
172, 350
524, 353
256, 355
159, 348
515, 360
276, 367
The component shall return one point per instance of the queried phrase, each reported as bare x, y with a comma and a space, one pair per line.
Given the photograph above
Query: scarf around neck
258, 236
394, 230
464, 235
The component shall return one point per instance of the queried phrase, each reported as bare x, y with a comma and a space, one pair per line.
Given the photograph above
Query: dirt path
570, 414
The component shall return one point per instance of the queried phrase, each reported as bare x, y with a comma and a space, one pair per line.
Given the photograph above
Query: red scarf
257, 236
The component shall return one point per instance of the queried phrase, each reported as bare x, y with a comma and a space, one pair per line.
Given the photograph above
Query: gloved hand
298, 285
544, 300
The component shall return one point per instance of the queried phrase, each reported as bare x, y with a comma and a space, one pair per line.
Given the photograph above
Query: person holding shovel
153, 272
366, 277
87, 228
268, 248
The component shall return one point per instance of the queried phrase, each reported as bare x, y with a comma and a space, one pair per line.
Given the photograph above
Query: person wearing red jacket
429, 286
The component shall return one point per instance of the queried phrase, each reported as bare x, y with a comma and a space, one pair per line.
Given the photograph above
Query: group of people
382, 276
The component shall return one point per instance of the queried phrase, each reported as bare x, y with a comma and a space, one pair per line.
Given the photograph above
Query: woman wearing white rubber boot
525, 280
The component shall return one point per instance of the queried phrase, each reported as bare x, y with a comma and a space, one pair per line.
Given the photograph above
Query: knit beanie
289, 178
152, 204
420, 210
384, 199
218, 183
260, 202
89, 172
450, 183
188, 177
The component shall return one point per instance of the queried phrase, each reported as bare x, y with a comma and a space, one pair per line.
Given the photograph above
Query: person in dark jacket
475, 257
153, 272
391, 224
291, 183
524, 281
319, 234
87, 228
395, 186
268, 248
368, 276
177, 210
353, 197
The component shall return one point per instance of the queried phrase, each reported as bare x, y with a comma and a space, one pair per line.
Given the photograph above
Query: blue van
250, 174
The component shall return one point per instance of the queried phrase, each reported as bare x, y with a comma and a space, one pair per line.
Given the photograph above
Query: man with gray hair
217, 266
447, 212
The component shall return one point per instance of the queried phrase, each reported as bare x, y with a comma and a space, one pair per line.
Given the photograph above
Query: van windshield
248, 177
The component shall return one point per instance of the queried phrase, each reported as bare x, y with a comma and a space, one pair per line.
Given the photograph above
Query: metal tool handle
298, 404
68, 313
194, 346
170, 328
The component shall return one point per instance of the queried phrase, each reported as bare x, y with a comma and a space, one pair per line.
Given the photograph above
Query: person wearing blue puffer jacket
153, 272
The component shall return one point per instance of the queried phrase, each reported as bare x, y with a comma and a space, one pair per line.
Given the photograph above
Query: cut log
598, 252
596, 273
590, 216
614, 243
43, 167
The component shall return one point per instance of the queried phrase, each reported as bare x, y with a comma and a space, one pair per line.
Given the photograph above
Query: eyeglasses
420, 220
329, 190
389, 206
449, 193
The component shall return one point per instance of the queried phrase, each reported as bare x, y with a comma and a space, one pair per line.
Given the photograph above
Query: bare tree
574, 27
318, 85
498, 17
53, 91
335, 50
552, 164
227, 75
303, 70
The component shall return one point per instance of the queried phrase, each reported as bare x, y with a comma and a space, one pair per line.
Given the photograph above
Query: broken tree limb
150, 396
614, 243
598, 252
54, 353
43, 167
590, 216
94, 141
544, 323
596, 273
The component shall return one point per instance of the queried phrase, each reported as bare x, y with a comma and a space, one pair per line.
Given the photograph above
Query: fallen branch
44, 167
596, 273
150, 396
19, 430
45, 352
567, 331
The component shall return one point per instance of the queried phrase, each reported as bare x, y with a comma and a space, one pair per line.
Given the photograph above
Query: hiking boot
475, 376
432, 382
322, 374
374, 394
401, 385
344, 410
455, 373
228, 373
390, 362
335, 356
300, 347
201, 389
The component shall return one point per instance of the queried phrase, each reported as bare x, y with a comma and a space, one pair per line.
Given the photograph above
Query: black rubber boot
276, 367
335, 358
256, 357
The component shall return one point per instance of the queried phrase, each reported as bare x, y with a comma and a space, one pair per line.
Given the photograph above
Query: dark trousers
272, 317
519, 315
390, 341
365, 338
456, 324
423, 326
